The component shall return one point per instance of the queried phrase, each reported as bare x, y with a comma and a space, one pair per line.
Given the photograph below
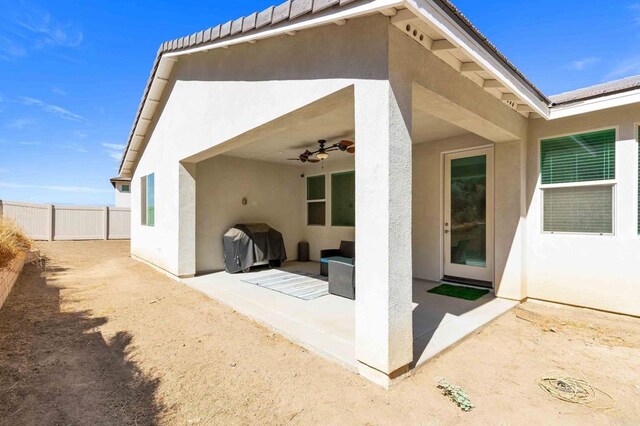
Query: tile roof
598, 90
271, 16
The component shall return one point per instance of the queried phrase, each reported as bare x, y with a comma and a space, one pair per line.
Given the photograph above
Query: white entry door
468, 215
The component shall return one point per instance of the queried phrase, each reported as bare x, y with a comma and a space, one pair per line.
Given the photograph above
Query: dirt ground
98, 338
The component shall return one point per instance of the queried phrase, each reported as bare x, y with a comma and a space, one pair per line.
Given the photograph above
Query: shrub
455, 394
12, 242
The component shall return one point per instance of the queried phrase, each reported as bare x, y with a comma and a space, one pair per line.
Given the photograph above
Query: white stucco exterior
123, 194
219, 102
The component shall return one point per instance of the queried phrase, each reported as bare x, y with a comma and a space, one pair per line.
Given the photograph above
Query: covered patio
255, 178
326, 325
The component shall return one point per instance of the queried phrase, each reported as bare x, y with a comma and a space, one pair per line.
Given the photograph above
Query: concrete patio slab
326, 325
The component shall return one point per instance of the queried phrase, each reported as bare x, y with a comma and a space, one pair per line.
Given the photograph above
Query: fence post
106, 222
1, 212
51, 224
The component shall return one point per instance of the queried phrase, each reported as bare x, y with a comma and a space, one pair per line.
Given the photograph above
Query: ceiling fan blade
293, 159
314, 160
346, 143
351, 150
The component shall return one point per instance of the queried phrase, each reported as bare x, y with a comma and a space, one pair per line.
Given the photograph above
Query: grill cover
244, 245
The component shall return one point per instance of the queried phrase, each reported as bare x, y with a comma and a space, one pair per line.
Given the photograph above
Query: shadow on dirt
56, 367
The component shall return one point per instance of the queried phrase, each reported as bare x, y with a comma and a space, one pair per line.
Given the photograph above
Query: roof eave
595, 103
450, 22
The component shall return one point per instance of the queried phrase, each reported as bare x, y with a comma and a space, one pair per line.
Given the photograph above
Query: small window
316, 203
343, 199
147, 200
578, 183
125, 188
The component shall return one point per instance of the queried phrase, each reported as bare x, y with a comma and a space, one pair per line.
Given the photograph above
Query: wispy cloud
28, 28
80, 133
635, 9
47, 31
52, 109
75, 147
627, 67
73, 189
29, 143
19, 123
114, 150
583, 64
10, 49
58, 91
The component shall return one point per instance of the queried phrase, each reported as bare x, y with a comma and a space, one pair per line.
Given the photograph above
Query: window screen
343, 199
125, 188
581, 209
316, 213
315, 188
316, 205
579, 158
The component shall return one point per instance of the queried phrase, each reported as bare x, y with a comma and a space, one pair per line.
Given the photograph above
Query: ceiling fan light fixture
322, 155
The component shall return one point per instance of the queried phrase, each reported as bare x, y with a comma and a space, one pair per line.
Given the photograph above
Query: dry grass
12, 242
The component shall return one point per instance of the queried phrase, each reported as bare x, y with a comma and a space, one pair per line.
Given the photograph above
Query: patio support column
186, 220
384, 338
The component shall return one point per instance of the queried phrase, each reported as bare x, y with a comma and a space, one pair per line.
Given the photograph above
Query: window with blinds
343, 199
575, 174
579, 158
316, 204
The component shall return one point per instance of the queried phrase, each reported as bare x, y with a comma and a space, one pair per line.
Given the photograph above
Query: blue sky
72, 73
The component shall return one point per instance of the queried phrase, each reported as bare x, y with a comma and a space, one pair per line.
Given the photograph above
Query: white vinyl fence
49, 222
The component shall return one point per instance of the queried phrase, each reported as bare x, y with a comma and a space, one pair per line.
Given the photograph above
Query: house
463, 169
122, 187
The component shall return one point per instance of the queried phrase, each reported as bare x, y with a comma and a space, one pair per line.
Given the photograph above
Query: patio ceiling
333, 123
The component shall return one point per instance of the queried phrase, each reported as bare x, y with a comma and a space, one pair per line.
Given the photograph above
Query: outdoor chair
345, 254
342, 279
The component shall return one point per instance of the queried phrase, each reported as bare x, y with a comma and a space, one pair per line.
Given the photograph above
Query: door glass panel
469, 211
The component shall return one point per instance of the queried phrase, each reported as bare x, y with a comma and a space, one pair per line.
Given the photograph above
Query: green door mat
460, 292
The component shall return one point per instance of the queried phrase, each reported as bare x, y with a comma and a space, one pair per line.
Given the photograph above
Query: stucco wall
588, 270
273, 195
215, 96
123, 199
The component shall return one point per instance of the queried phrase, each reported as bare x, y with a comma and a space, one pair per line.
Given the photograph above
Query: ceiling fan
323, 152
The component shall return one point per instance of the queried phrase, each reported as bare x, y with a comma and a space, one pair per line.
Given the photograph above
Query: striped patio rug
302, 285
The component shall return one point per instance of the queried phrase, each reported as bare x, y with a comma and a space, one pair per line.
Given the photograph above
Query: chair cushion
347, 260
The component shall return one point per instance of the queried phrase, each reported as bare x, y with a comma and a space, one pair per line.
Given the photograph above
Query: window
125, 188
147, 198
578, 182
316, 203
343, 199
